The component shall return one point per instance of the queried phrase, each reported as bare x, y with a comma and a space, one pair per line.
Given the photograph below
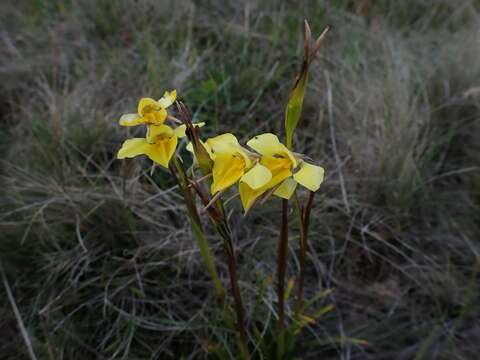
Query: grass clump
99, 255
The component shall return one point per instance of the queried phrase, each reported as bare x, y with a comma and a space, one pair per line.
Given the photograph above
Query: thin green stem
179, 174
217, 216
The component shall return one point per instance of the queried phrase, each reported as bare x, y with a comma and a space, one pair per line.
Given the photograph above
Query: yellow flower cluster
161, 140
268, 166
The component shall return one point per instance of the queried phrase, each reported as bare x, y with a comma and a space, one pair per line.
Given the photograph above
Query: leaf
427, 343
320, 312
320, 295
137, 292
295, 100
295, 104
304, 320
261, 292
288, 290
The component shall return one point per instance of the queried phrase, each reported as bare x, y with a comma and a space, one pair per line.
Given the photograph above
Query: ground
97, 254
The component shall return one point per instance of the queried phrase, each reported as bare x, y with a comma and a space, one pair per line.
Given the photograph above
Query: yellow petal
151, 112
257, 176
265, 144
310, 176
147, 105
130, 120
180, 130
158, 117
156, 131
132, 147
168, 98
228, 168
164, 148
248, 161
222, 141
284, 151
280, 167
269, 145
209, 149
189, 147
286, 189
248, 196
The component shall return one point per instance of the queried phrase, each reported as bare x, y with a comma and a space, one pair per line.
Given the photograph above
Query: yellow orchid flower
232, 162
218, 141
287, 169
159, 145
150, 111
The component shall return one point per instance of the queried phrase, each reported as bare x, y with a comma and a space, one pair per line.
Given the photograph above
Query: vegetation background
96, 254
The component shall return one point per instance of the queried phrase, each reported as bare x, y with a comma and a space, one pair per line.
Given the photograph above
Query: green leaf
295, 100
288, 290
295, 104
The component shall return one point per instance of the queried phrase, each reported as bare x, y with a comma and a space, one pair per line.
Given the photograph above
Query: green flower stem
217, 216
197, 227
282, 265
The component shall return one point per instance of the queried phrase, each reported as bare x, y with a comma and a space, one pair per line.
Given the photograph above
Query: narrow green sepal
204, 161
295, 99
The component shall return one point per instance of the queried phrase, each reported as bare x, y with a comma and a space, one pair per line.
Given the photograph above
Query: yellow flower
150, 111
232, 162
287, 169
159, 145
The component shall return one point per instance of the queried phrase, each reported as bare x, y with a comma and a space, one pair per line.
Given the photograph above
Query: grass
98, 253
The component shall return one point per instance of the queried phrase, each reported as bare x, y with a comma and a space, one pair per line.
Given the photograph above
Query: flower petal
286, 189
159, 116
228, 168
283, 150
180, 130
257, 176
168, 98
189, 148
248, 196
222, 141
147, 105
131, 120
281, 168
156, 131
310, 176
162, 151
265, 144
133, 147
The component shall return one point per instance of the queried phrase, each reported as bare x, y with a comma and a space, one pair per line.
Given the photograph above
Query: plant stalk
179, 174
282, 265
232, 270
304, 221
216, 213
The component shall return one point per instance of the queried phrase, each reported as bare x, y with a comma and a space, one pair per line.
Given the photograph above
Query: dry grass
98, 253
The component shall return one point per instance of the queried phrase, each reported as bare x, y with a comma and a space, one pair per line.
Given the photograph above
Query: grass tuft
98, 253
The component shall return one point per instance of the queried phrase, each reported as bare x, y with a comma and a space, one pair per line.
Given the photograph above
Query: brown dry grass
99, 254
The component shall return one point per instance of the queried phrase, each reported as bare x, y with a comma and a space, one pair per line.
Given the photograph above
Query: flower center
163, 137
238, 161
281, 161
